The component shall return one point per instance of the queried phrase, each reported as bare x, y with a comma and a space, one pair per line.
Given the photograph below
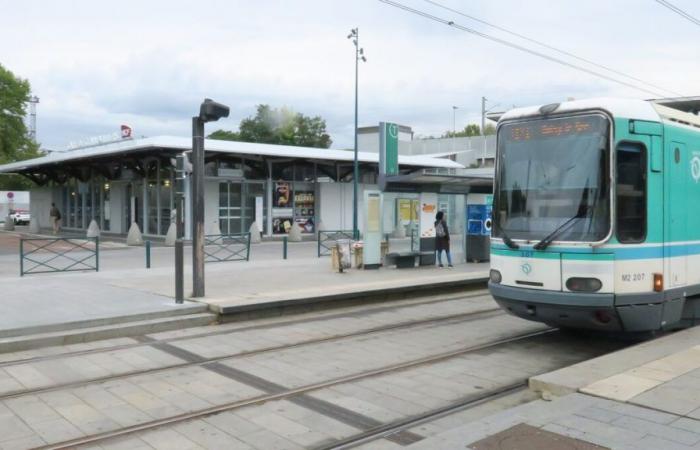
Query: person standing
55, 218
442, 239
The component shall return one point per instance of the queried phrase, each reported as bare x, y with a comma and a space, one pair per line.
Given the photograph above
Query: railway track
256, 326
192, 360
298, 392
398, 426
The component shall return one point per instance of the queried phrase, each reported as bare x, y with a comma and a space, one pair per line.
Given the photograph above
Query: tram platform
646, 396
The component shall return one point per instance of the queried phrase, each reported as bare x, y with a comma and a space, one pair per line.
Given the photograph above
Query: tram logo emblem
526, 268
695, 168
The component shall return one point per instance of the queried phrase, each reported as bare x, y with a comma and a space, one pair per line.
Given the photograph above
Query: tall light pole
359, 54
209, 111
454, 126
483, 126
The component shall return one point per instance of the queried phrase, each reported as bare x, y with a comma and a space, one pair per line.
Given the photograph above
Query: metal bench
403, 260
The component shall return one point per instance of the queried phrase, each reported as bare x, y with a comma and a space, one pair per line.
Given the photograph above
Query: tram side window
631, 193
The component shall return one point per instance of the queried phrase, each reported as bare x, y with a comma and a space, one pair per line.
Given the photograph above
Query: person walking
442, 238
55, 218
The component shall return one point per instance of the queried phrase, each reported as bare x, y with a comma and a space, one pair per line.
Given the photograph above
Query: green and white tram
596, 215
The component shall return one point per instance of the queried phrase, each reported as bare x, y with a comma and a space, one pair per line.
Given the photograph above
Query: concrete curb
365, 295
76, 325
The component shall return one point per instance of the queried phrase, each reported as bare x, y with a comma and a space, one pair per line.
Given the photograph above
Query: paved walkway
642, 397
124, 284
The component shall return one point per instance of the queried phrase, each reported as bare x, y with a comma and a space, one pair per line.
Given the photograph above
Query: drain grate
527, 437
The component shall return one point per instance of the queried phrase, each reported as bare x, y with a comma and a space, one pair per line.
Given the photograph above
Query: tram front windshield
551, 171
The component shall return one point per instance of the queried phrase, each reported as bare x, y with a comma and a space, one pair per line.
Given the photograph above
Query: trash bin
357, 251
344, 253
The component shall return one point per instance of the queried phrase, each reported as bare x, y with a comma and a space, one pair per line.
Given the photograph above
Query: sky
98, 64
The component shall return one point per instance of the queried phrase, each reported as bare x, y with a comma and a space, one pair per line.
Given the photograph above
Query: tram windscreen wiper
544, 243
508, 241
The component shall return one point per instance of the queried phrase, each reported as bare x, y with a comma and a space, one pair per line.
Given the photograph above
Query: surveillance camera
211, 111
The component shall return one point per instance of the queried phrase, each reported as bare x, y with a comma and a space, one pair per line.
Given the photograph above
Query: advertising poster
405, 212
304, 210
428, 209
282, 209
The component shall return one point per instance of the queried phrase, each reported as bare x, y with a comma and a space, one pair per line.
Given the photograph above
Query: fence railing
227, 247
326, 240
47, 255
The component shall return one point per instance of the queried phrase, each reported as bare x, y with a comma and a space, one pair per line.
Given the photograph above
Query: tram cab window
631, 192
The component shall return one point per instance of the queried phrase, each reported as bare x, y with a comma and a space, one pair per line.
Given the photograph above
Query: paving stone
655, 429
266, 440
14, 428
209, 436
685, 423
22, 443
650, 442
232, 423
167, 439
57, 430
599, 414
637, 411
31, 409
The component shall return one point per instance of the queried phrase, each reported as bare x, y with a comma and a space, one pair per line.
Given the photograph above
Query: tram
596, 214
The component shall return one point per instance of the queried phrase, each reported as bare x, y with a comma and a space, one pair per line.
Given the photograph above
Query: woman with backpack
442, 238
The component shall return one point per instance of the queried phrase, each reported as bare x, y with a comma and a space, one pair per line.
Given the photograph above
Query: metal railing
48, 255
226, 247
327, 239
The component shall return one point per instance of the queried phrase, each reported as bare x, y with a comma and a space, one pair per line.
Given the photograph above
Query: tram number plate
629, 277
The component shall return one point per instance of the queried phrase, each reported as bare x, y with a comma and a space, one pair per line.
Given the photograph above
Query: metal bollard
284, 247
148, 254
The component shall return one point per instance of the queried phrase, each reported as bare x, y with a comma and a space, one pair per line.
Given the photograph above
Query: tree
15, 144
470, 130
279, 126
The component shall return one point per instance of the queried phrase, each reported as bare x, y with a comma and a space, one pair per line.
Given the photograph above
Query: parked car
20, 216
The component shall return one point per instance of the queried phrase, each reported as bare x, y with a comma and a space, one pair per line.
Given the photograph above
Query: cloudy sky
98, 64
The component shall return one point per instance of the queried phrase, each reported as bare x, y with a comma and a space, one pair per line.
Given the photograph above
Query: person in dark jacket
442, 238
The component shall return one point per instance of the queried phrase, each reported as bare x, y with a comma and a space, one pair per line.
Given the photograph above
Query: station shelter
132, 181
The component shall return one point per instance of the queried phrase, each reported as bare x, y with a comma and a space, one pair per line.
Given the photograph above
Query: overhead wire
550, 47
678, 11
517, 46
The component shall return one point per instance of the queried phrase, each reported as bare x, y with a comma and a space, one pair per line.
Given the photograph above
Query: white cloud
95, 65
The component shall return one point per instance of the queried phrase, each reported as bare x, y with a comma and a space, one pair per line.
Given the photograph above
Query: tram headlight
578, 284
495, 276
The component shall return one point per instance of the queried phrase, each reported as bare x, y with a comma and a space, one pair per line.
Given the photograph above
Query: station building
132, 180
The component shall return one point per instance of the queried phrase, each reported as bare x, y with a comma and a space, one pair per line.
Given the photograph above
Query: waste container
344, 253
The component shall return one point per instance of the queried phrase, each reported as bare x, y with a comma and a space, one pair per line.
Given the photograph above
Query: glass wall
239, 204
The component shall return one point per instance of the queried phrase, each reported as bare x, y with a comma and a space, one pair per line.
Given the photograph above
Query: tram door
678, 204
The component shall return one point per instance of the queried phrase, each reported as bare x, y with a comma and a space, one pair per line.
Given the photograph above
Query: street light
209, 111
483, 125
454, 126
359, 55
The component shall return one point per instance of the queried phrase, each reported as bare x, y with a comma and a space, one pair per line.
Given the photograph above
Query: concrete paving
593, 420
642, 397
124, 286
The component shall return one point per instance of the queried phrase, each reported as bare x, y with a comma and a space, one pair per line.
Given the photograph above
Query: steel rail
457, 318
288, 322
157, 423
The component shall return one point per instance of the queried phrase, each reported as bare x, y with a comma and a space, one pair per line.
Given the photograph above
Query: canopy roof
172, 144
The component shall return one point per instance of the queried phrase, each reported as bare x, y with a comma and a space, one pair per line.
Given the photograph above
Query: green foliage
15, 144
470, 130
279, 126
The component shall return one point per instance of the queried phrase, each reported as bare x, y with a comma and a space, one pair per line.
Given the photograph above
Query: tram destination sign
548, 128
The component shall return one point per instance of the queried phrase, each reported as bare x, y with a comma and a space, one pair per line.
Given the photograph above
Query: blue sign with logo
479, 220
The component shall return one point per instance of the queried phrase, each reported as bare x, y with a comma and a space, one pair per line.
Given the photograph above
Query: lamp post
359, 54
484, 111
454, 126
209, 111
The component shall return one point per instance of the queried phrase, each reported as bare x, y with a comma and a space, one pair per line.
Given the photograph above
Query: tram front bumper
561, 309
